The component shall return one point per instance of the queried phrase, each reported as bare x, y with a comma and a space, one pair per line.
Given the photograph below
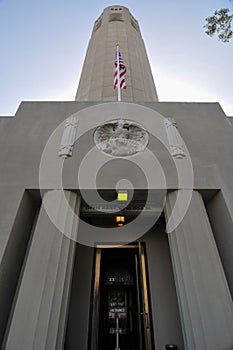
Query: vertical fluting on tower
116, 25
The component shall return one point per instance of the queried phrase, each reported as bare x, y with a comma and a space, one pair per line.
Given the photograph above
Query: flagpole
118, 75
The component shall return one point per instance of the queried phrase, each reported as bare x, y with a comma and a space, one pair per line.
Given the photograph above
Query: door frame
144, 312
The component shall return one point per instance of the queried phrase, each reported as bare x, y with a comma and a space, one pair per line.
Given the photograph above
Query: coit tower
116, 25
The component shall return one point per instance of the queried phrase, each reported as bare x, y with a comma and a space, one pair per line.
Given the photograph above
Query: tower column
116, 25
39, 317
205, 304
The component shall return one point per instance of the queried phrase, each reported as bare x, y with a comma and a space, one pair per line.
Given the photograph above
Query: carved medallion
121, 138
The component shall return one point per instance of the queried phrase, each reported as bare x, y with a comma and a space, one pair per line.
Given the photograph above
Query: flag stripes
119, 62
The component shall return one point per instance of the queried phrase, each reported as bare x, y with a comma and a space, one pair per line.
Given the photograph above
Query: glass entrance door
120, 316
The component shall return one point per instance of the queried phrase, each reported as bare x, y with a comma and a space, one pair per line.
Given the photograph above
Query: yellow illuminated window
122, 196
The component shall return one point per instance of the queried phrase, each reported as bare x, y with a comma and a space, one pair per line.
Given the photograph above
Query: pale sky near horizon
43, 45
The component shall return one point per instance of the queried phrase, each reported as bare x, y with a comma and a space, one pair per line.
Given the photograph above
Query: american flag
122, 71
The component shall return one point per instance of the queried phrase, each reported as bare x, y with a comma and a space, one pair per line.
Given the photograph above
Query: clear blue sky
43, 45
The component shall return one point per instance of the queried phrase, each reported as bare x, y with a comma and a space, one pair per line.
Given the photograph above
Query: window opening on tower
115, 17
98, 23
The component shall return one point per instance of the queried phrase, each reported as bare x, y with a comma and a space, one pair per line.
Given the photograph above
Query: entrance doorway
120, 313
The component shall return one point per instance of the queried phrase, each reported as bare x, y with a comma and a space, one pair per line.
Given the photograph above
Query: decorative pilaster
39, 317
175, 141
205, 304
68, 137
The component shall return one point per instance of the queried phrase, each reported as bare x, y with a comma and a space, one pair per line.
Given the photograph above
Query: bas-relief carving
176, 145
68, 138
121, 138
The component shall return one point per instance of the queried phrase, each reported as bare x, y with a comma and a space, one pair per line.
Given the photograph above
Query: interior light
122, 196
120, 221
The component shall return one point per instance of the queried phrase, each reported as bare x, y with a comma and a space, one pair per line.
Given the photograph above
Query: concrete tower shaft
116, 24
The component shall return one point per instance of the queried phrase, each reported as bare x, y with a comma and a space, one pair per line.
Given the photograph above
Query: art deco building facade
73, 172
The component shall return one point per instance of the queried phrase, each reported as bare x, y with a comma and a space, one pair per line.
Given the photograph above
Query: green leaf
220, 23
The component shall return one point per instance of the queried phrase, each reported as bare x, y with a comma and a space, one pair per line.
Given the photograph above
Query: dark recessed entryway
120, 313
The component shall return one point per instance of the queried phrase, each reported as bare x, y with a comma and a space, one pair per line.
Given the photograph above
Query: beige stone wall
116, 24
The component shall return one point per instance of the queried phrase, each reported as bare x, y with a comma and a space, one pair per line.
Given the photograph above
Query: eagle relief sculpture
121, 138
